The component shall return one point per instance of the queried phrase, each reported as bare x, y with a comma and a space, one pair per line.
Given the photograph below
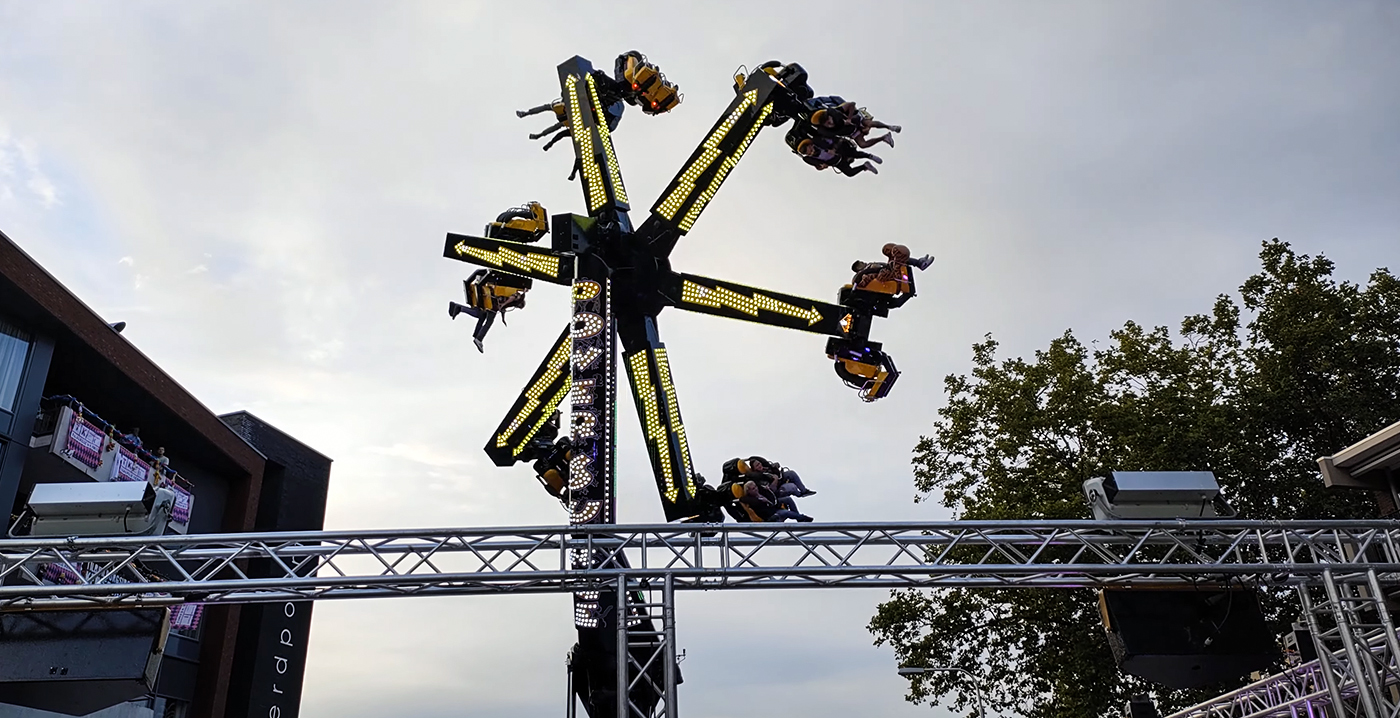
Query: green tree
1315, 368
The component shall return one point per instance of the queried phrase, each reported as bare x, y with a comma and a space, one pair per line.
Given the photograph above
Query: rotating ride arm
680, 205
659, 411
736, 301
490, 292
590, 124
860, 363
512, 257
515, 439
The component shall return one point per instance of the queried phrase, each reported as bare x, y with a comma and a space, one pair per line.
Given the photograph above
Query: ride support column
593, 369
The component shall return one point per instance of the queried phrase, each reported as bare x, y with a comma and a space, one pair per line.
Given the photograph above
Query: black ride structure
621, 279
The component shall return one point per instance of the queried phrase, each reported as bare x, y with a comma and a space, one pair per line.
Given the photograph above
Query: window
14, 349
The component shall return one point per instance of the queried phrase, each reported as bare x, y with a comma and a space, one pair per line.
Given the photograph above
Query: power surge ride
621, 279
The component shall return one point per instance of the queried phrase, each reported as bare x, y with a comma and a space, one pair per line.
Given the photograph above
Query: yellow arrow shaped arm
713, 296
750, 303
514, 257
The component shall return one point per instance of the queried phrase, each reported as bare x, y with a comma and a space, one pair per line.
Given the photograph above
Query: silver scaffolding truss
1339, 568
1356, 668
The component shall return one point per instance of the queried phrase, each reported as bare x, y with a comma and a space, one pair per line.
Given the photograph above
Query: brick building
67, 376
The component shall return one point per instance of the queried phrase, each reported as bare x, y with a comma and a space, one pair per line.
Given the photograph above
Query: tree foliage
1315, 368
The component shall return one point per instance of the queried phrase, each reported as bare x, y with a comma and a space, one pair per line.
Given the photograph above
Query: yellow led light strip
557, 361
545, 414
723, 171
663, 371
686, 185
613, 170
545, 264
583, 142
656, 433
717, 297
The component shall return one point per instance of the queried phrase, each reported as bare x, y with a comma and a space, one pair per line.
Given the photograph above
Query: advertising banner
60, 574
127, 467
185, 617
84, 442
184, 503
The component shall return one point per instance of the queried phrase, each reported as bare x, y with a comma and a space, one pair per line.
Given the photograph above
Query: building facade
78, 402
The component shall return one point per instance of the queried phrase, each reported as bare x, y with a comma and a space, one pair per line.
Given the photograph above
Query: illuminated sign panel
513, 257
708, 152
691, 190
736, 301
593, 381
579, 124
659, 411
677, 428
649, 409
605, 139
593, 147
722, 171
542, 395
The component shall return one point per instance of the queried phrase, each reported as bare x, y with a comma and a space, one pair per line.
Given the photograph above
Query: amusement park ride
624, 577
622, 279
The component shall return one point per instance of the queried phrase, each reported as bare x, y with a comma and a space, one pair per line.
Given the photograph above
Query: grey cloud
1071, 165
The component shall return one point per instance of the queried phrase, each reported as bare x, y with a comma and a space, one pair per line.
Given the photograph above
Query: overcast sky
261, 191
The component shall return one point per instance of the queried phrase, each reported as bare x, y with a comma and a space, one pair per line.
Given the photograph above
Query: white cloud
27, 171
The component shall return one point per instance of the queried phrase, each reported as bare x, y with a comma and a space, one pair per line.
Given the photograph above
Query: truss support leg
624, 660
1390, 666
572, 701
1333, 674
668, 624
1364, 664
1365, 693
646, 645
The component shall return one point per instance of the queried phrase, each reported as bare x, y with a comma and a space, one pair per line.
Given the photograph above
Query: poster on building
84, 442
185, 617
184, 504
127, 467
61, 574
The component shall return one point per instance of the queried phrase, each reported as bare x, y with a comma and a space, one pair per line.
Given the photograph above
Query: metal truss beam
1309, 690
648, 643
1299, 692
260, 567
